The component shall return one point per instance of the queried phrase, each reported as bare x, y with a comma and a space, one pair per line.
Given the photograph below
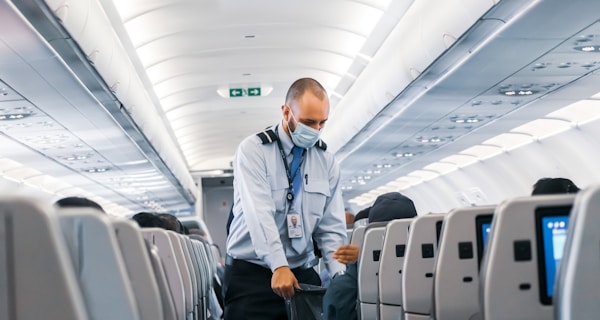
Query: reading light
588, 48
404, 155
14, 116
430, 140
96, 170
524, 92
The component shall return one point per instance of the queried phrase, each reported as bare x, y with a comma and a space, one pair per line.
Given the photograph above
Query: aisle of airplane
489, 262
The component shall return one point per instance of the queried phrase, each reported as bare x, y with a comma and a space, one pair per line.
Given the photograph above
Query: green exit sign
253, 92
236, 92
241, 92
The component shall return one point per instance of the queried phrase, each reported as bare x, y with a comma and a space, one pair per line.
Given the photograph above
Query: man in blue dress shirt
281, 176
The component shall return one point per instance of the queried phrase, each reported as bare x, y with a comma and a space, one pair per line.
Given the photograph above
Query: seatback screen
551, 231
483, 225
485, 233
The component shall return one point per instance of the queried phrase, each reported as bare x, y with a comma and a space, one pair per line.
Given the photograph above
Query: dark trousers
248, 293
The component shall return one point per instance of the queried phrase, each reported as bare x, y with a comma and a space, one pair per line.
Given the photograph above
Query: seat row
527, 258
77, 263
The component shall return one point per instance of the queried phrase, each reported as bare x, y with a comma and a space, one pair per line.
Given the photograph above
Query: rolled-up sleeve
330, 233
250, 168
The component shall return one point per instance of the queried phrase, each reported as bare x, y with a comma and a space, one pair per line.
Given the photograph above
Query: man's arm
257, 203
330, 233
258, 209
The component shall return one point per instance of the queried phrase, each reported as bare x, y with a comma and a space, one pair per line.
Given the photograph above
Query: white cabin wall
572, 154
217, 204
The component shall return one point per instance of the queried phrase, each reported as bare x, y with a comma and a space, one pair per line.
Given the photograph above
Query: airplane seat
210, 256
524, 248
160, 238
212, 299
419, 266
194, 275
98, 263
578, 281
358, 234
368, 269
205, 284
37, 278
166, 298
212, 260
390, 268
184, 272
456, 276
139, 268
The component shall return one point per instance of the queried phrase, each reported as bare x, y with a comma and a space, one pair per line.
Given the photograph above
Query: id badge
294, 222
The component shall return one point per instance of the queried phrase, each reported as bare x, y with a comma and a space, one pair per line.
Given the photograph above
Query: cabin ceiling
410, 82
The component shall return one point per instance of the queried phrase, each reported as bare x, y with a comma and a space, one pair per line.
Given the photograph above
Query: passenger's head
554, 186
200, 232
390, 206
170, 222
362, 214
147, 220
78, 202
305, 111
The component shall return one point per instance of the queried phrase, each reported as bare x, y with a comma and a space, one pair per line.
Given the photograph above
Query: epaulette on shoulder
267, 136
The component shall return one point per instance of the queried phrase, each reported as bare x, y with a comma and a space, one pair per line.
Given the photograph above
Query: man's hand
346, 254
283, 282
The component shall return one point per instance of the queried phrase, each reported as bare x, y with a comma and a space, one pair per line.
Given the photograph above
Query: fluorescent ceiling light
441, 168
460, 160
579, 112
482, 151
542, 128
424, 175
509, 141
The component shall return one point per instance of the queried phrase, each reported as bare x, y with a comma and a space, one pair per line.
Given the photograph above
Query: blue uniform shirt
258, 231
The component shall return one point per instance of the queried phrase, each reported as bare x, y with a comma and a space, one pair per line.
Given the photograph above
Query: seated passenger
361, 218
340, 299
554, 186
78, 202
147, 220
170, 222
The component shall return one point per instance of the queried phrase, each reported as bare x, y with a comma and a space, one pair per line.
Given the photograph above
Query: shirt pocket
317, 192
279, 188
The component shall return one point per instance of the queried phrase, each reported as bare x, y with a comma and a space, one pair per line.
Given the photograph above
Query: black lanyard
290, 177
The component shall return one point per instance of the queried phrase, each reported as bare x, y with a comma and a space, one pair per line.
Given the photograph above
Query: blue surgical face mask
304, 136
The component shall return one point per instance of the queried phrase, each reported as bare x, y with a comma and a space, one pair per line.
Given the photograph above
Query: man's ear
285, 112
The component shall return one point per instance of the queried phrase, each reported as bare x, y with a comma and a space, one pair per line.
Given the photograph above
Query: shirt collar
286, 141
